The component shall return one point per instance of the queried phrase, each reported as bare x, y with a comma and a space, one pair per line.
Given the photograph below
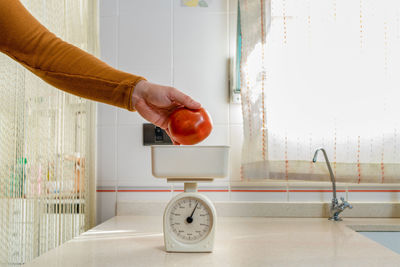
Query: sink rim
375, 227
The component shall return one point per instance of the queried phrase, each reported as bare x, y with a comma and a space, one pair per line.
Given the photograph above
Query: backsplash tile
153, 7
267, 194
200, 56
218, 136
106, 184
133, 158
126, 117
106, 152
236, 138
235, 114
214, 7
216, 191
108, 8
106, 203
147, 182
108, 40
139, 196
374, 193
145, 40
106, 115
315, 194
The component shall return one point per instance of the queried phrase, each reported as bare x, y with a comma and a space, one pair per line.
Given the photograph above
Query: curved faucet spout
335, 208
329, 168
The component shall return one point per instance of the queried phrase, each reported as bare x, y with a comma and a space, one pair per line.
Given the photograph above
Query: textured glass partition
45, 137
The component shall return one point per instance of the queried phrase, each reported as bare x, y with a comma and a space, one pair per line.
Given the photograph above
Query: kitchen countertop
240, 241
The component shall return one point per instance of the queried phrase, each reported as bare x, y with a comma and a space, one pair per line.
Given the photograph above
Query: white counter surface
138, 241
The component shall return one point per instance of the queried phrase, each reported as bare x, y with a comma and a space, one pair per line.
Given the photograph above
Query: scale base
173, 246
204, 245
171, 249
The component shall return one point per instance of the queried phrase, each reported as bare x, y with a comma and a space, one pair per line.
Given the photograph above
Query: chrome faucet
335, 208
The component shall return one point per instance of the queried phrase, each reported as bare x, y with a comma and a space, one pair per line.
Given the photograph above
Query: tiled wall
187, 48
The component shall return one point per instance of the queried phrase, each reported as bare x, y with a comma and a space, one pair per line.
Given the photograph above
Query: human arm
75, 71
59, 63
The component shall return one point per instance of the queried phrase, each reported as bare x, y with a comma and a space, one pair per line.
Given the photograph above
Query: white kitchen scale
190, 218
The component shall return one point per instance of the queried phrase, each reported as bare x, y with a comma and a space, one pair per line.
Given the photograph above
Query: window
324, 74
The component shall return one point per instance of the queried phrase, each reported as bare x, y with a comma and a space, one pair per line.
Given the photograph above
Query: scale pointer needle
190, 218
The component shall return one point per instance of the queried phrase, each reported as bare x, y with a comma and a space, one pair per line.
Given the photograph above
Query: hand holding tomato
189, 126
155, 103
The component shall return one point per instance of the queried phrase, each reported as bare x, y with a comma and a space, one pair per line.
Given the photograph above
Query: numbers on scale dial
190, 220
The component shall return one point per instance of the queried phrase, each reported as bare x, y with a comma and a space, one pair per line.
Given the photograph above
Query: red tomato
189, 126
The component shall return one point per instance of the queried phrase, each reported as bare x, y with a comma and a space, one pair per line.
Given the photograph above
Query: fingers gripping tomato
189, 126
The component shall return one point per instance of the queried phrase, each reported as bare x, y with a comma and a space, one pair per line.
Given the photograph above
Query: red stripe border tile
261, 190
374, 191
252, 190
144, 190
313, 191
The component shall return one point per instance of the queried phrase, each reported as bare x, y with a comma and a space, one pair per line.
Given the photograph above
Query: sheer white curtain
46, 186
324, 74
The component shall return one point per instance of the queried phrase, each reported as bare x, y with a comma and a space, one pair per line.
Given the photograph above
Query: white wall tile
106, 153
259, 196
201, 59
218, 136
126, 117
235, 114
153, 196
208, 191
314, 194
158, 75
108, 8
108, 184
215, 6
216, 191
134, 159
236, 140
105, 210
148, 182
106, 114
374, 197
216, 196
148, 7
145, 34
373, 194
108, 40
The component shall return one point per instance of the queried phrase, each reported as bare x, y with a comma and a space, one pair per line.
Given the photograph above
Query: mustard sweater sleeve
58, 63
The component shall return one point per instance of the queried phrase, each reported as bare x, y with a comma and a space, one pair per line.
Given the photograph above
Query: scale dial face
189, 220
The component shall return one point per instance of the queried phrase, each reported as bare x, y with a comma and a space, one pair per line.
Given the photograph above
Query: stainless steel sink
389, 239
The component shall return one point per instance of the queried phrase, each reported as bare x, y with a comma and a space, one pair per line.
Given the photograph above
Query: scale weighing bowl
189, 162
